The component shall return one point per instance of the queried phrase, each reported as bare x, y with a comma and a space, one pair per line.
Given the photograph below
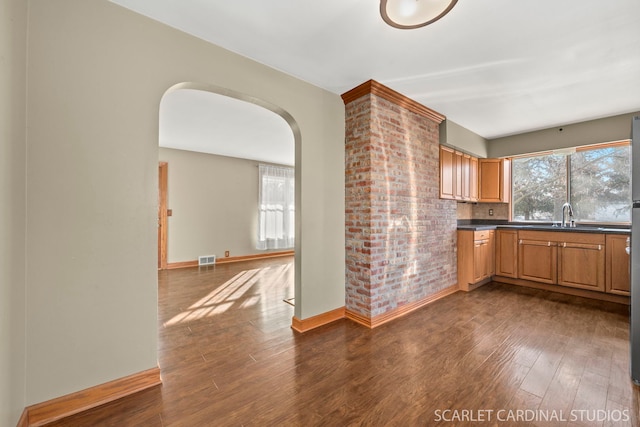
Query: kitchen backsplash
481, 211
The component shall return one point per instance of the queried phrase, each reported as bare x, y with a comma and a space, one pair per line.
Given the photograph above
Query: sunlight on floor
233, 291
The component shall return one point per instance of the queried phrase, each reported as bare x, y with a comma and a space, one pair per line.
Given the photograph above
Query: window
596, 181
539, 187
276, 216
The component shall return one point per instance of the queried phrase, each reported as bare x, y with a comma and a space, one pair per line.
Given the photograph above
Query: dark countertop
541, 227
477, 227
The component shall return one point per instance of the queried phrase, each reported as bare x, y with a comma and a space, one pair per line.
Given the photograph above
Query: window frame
266, 240
569, 151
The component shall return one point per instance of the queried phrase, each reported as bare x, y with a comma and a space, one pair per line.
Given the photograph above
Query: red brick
392, 207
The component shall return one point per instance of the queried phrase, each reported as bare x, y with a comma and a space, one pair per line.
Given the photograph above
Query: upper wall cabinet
494, 180
473, 179
458, 175
447, 173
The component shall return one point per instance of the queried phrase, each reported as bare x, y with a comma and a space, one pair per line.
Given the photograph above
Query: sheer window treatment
276, 217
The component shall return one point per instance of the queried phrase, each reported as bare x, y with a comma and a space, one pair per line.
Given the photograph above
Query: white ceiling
206, 122
496, 67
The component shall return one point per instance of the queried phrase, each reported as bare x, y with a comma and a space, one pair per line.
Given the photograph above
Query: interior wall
214, 200
609, 129
97, 73
454, 135
13, 30
464, 211
482, 211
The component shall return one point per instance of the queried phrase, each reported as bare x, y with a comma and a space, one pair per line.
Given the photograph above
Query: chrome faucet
567, 208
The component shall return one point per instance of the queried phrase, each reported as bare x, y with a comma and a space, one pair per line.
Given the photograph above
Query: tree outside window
595, 181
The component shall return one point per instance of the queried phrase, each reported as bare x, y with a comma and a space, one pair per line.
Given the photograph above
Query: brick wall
400, 237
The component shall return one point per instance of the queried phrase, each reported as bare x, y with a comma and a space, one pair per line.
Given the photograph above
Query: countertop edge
598, 230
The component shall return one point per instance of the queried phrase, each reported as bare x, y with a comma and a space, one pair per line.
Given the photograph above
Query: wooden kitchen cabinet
581, 264
473, 179
476, 252
494, 180
590, 264
467, 178
465, 169
447, 173
458, 175
506, 242
617, 277
537, 259
483, 250
458, 187
564, 258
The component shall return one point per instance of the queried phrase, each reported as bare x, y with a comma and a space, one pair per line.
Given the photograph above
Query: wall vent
206, 260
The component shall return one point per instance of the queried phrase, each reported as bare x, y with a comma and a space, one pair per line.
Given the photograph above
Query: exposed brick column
400, 237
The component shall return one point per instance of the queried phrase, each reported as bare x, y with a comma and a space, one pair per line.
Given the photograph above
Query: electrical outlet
226, 254
490, 212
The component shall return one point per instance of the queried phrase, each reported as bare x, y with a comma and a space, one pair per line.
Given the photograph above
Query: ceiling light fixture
408, 14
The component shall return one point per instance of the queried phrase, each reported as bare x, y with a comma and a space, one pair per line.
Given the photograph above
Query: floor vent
206, 260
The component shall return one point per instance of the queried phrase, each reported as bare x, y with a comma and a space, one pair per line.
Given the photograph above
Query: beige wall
96, 75
214, 200
597, 131
13, 24
609, 129
454, 135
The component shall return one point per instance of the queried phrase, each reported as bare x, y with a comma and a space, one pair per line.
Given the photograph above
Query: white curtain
276, 218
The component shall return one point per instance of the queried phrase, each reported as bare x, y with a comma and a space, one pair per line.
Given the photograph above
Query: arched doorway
206, 110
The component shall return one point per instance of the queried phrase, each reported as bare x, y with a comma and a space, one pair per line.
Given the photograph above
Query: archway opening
210, 139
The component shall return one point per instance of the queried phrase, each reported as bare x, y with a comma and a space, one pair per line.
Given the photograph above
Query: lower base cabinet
507, 253
581, 265
563, 258
476, 254
538, 259
618, 263
589, 261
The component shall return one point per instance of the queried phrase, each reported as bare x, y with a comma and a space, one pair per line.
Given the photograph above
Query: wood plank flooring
229, 358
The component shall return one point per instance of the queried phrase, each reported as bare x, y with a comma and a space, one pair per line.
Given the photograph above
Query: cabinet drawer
481, 235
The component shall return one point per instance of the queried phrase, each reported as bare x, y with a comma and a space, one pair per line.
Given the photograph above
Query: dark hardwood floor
497, 356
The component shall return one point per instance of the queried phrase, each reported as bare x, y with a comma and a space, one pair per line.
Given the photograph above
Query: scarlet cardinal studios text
529, 415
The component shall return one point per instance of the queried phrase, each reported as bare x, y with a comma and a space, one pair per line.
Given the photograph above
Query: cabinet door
482, 260
491, 254
507, 253
537, 260
466, 176
483, 255
479, 260
581, 265
617, 279
458, 178
473, 179
494, 180
447, 173
489, 180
